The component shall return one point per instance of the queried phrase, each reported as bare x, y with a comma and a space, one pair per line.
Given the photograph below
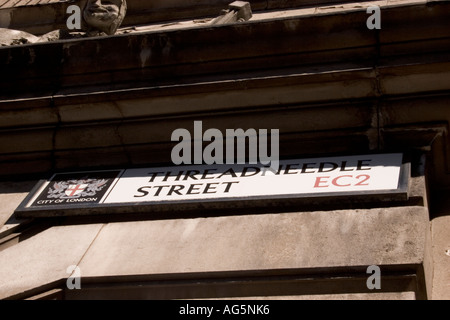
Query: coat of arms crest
76, 188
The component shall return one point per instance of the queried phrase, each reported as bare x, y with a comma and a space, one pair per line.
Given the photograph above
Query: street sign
296, 182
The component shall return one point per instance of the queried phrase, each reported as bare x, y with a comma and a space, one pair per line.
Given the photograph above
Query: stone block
44, 258
303, 240
80, 137
441, 258
244, 10
40, 139
88, 112
11, 195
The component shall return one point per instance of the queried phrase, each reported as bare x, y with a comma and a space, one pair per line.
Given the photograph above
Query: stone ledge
180, 54
43, 18
299, 243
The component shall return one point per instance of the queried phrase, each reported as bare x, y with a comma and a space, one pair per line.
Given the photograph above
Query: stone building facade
311, 69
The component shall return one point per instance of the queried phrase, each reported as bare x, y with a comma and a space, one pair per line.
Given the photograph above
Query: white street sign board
340, 179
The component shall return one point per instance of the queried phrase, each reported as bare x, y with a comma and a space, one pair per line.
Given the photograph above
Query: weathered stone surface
441, 257
393, 236
351, 296
44, 258
60, 34
10, 37
11, 195
40, 139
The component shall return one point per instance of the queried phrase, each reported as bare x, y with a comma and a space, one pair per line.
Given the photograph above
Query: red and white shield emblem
75, 189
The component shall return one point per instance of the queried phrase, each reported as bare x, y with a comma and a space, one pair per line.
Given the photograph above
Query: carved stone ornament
104, 16
238, 11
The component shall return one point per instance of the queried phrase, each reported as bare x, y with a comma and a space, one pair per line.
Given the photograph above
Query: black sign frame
298, 202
